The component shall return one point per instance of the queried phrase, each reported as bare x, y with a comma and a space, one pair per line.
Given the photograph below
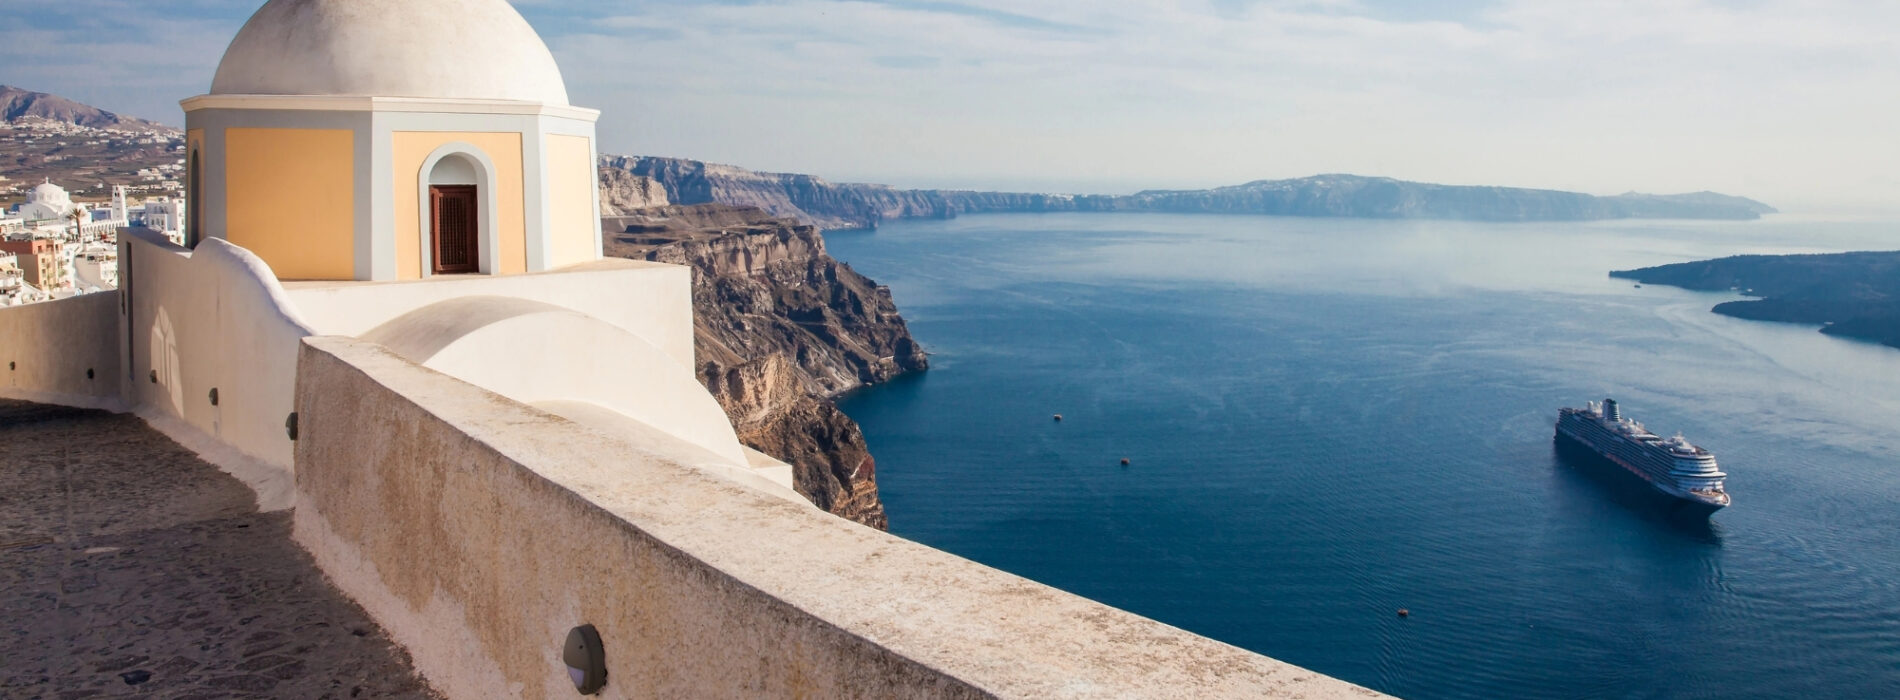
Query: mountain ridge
18, 104
863, 205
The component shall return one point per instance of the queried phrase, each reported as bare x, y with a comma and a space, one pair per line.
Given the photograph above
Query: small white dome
464, 49
49, 193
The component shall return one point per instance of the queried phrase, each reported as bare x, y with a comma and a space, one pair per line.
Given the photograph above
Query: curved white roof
47, 192
459, 49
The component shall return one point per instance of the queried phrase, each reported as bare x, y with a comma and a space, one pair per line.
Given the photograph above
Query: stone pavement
129, 567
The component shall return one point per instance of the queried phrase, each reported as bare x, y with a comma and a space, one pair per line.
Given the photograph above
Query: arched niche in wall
456, 190
166, 371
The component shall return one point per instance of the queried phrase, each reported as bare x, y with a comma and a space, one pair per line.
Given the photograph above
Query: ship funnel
1610, 410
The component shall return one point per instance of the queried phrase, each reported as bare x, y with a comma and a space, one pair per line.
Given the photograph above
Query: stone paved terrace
130, 567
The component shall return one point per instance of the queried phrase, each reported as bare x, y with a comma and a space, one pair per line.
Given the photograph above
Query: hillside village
70, 176
85, 149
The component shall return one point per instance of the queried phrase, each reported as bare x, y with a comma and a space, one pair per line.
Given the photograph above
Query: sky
1796, 103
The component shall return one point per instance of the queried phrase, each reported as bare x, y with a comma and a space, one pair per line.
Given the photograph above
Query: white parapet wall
535, 352
651, 300
64, 351
212, 319
203, 342
479, 530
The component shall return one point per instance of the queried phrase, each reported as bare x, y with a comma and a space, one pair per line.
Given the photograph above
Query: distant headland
857, 205
1853, 295
819, 202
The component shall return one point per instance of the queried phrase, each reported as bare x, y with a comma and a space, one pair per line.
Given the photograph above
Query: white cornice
366, 103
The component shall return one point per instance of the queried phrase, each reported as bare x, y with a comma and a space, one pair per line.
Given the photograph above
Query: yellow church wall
289, 198
571, 190
411, 148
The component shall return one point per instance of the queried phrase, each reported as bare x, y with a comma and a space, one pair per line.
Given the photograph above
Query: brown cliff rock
781, 327
622, 191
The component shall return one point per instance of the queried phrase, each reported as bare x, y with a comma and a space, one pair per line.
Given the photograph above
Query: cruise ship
1671, 465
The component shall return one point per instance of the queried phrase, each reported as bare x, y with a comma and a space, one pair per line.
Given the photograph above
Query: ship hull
1580, 450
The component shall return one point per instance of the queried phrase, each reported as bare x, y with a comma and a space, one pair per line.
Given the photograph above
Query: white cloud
1781, 100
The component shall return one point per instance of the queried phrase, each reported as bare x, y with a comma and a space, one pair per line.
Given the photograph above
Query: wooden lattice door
454, 232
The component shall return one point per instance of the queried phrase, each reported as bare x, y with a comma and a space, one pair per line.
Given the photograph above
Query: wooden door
454, 234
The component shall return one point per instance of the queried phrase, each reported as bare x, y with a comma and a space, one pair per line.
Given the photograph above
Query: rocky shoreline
1851, 295
780, 328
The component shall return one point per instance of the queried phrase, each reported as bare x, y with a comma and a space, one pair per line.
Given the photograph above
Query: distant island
1853, 295
864, 206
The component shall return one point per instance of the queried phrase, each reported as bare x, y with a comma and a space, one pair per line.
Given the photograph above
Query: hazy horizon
1788, 103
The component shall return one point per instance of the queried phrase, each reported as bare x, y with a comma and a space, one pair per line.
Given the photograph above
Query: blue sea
1327, 420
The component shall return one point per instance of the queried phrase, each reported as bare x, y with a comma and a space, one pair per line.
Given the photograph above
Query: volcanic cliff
780, 328
853, 205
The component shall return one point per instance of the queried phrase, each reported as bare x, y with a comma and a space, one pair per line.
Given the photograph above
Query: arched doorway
454, 217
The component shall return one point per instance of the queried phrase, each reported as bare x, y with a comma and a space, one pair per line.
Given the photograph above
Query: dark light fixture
214, 396
290, 426
586, 660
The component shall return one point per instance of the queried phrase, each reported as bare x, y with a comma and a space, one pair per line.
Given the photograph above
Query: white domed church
46, 201
408, 174
392, 140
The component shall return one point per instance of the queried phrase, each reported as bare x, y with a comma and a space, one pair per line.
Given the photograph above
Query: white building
46, 201
11, 279
162, 214
95, 268
50, 212
119, 210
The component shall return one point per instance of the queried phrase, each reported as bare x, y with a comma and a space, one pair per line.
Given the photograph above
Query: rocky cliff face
851, 205
622, 191
781, 326
813, 200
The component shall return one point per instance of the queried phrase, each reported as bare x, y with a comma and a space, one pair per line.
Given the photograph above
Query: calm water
1331, 419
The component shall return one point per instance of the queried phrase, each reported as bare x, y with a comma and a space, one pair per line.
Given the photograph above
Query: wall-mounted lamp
88, 372
154, 376
586, 660
290, 426
214, 396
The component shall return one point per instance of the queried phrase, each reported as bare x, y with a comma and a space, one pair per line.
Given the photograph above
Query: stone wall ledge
479, 530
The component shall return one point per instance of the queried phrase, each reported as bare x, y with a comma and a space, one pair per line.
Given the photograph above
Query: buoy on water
1124, 461
1058, 418
1404, 613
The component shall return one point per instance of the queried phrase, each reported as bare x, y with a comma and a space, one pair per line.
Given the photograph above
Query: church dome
48, 193
461, 49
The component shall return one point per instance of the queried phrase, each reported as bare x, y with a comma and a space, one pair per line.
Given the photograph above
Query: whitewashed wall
482, 530
48, 349
212, 318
